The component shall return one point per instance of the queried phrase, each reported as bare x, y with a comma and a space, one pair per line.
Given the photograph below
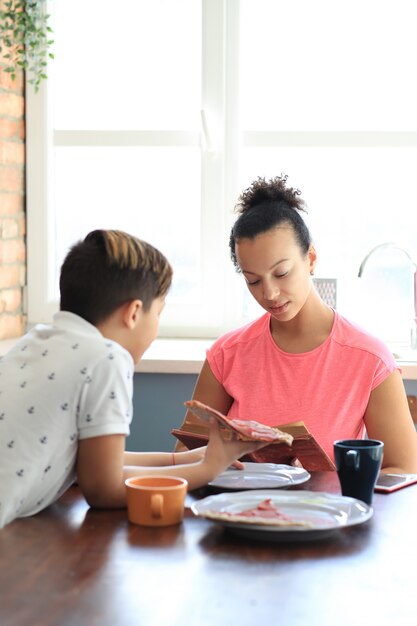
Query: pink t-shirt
327, 388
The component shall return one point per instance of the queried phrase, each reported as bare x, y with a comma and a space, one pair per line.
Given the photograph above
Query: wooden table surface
73, 566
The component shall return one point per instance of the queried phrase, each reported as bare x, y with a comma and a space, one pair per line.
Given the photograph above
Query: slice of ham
265, 513
265, 509
248, 430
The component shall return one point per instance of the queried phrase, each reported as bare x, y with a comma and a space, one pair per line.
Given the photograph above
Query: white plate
326, 512
261, 476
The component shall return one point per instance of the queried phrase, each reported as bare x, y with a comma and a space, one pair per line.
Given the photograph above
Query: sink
405, 354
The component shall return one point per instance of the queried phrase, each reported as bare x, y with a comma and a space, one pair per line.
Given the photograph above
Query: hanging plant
25, 39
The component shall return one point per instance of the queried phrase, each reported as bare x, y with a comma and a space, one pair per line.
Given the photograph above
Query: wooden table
72, 566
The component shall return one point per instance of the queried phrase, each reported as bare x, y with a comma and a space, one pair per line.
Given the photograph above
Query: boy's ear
132, 312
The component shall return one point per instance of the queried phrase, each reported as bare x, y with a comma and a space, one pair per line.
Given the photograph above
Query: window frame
218, 167
220, 139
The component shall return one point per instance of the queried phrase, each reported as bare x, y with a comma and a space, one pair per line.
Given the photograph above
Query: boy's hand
221, 454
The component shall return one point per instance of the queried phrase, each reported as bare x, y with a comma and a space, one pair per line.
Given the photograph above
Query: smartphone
391, 482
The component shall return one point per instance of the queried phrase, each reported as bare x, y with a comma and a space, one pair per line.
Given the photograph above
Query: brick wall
12, 205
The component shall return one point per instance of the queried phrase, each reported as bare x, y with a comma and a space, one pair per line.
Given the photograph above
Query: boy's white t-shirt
60, 383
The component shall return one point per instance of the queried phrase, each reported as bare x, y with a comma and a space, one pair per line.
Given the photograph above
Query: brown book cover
304, 447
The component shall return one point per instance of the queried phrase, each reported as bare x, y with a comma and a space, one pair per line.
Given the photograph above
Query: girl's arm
388, 418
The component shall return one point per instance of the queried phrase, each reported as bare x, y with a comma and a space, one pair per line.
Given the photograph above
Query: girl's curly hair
273, 190
266, 205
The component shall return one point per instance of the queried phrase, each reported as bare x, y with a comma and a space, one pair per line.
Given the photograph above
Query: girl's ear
312, 258
132, 312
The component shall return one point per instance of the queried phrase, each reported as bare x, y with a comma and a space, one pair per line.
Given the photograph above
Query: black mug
358, 462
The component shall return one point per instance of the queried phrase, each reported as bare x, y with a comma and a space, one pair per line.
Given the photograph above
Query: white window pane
153, 193
130, 64
328, 65
356, 199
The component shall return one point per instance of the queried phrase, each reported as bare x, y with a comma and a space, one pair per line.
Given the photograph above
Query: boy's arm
101, 471
154, 459
103, 466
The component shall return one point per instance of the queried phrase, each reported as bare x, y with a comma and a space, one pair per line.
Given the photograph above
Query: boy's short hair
109, 268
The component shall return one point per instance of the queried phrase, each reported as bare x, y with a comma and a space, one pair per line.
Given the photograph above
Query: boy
66, 388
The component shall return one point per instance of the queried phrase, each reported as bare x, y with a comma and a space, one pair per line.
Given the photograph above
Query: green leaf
24, 30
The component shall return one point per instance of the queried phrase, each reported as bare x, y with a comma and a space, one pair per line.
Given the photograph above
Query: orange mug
155, 500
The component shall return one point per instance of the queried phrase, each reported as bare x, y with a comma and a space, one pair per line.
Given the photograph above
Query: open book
303, 447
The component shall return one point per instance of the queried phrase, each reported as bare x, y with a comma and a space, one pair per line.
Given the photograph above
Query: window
156, 120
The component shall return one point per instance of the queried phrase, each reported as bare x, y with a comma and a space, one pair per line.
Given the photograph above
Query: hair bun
274, 190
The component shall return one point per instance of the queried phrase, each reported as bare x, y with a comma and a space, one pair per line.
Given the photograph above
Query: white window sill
186, 356
174, 356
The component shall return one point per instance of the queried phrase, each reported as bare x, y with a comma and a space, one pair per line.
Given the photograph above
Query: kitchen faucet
413, 334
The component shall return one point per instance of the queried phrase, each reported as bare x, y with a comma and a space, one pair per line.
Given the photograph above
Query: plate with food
282, 516
261, 476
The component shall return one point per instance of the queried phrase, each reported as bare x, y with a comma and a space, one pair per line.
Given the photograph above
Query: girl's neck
307, 330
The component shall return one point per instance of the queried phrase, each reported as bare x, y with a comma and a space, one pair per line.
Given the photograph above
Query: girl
301, 360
